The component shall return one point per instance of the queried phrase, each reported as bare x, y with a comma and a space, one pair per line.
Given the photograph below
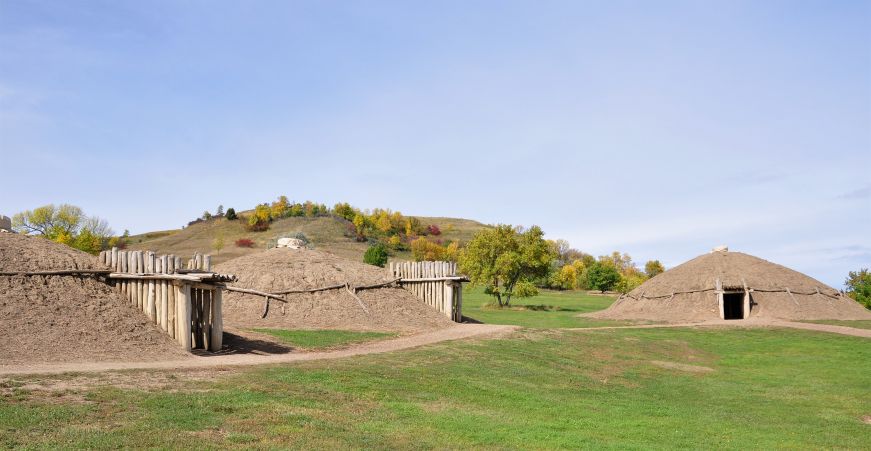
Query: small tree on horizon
231, 214
66, 224
653, 267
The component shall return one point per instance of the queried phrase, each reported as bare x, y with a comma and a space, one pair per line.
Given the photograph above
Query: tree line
514, 262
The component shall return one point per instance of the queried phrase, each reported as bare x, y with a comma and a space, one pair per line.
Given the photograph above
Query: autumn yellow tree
280, 208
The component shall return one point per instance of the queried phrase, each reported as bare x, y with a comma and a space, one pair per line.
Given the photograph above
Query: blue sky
660, 129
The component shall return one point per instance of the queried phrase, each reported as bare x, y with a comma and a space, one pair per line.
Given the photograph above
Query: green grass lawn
321, 339
859, 324
550, 309
754, 388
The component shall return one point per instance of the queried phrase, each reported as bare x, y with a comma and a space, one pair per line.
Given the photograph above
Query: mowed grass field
543, 386
550, 309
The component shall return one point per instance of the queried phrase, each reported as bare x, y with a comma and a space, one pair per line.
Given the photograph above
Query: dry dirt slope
68, 319
326, 233
275, 270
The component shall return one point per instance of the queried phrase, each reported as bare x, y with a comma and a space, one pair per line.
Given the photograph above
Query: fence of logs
435, 283
183, 298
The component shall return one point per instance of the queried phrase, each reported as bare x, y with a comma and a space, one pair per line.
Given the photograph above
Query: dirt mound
687, 292
390, 309
64, 318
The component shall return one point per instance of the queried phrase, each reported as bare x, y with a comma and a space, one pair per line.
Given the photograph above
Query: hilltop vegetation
325, 228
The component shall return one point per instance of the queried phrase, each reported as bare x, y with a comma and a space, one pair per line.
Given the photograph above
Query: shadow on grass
240, 344
529, 307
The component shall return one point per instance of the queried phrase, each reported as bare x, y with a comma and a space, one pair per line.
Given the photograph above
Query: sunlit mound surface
275, 270
48, 319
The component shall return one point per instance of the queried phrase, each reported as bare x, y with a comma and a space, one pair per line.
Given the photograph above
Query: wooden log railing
435, 283
183, 300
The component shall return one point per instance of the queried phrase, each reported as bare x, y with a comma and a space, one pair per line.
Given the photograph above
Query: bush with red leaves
244, 242
434, 230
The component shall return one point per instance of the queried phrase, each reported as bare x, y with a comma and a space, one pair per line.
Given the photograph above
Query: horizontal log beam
146, 276
435, 279
65, 272
254, 292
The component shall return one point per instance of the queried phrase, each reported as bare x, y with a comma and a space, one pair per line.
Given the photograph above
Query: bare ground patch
73, 387
682, 366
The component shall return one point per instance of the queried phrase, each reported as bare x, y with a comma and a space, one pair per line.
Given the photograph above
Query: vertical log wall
185, 309
435, 283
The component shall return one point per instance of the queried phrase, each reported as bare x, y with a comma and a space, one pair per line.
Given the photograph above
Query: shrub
376, 255
259, 220
434, 230
244, 242
231, 214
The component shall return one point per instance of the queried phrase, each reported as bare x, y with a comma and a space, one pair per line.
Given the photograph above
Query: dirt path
456, 332
843, 330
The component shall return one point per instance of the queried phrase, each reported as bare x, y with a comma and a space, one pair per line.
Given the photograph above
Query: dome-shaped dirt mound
689, 292
279, 269
47, 319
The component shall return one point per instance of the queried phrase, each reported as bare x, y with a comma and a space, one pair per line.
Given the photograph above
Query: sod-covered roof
281, 269
688, 292
68, 318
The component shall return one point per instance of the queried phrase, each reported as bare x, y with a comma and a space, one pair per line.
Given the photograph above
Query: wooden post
140, 268
184, 313
205, 319
719, 290
217, 321
449, 300
207, 262
150, 308
171, 327
197, 318
164, 305
459, 302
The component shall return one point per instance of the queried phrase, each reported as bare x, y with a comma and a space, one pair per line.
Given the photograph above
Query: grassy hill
326, 233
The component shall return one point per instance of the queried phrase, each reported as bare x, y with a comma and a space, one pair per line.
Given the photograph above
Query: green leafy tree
376, 255
505, 260
602, 276
653, 267
65, 224
231, 214
345, 210
859, 286
219, 211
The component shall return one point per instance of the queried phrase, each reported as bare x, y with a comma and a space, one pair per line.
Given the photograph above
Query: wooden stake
206, 318
164, 305
184, 313
217, 322
151, 309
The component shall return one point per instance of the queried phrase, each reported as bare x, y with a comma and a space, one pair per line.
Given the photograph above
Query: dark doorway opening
733, 305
